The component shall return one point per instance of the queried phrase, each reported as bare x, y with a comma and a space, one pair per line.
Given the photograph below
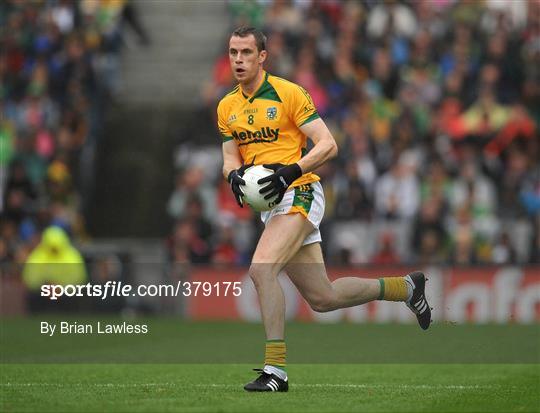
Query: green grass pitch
195, 367
314, 388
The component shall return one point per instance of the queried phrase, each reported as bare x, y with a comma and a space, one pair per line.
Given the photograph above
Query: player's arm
233, 170
324, 149
232, 159
301, 109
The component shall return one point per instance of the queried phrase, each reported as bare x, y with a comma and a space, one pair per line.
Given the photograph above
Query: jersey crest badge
271, 113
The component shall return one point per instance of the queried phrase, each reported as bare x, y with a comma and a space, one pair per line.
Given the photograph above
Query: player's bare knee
322, 304
261, 273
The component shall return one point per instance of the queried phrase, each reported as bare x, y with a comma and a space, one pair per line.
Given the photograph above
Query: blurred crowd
58, 69
435, 106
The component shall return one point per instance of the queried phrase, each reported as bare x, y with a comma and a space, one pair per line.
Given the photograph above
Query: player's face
245, 59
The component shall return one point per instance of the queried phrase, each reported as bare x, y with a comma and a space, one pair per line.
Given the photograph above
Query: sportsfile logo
265, 134
120, 289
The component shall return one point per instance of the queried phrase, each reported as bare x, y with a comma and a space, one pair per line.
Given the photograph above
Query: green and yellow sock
394, 289
275, 354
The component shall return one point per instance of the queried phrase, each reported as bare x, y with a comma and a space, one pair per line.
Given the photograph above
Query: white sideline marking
298, 385
378, 386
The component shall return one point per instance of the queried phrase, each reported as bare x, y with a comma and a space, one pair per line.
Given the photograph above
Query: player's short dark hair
260, 38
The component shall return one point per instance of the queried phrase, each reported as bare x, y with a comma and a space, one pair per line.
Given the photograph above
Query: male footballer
267, 120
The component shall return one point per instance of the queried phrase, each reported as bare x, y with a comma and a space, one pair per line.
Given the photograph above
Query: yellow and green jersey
266, 125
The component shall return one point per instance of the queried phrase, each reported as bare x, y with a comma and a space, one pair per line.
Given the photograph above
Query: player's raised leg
281, 239
308, 273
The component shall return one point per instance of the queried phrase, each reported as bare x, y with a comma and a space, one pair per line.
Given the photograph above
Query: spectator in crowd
44, 263
436, 184
192, 183
429, 235
397, 191
464, 250
53, 261
473, 191
187, 245
503, 251
193, 236
386, 254
225, 251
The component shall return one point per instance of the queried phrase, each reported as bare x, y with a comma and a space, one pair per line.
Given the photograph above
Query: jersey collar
257, 90
264, 91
